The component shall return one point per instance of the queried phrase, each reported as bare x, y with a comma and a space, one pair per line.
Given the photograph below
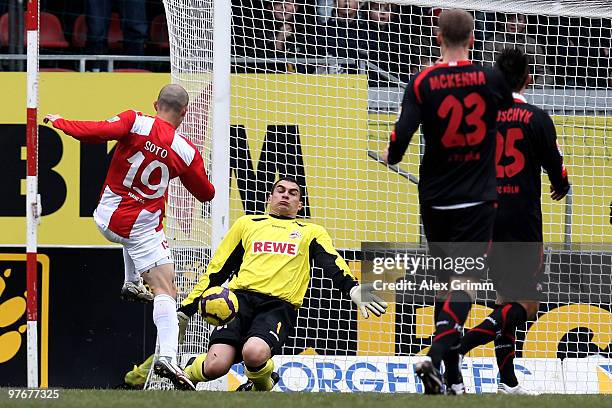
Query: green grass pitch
175, 399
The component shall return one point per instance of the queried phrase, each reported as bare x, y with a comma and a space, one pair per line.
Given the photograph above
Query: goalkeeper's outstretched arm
224, 263
226, 260
324, 255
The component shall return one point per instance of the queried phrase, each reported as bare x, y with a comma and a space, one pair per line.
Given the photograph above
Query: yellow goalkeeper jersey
273, 255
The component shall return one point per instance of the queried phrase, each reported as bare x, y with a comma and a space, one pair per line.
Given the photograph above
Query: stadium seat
4, 34
51, 31
158, 36
79, 32
115, 34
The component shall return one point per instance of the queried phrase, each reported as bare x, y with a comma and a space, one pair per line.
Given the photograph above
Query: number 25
508, 147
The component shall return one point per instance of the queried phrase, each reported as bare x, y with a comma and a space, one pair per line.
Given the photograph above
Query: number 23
455, 108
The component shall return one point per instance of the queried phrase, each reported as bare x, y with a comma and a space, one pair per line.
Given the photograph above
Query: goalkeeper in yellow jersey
267, 259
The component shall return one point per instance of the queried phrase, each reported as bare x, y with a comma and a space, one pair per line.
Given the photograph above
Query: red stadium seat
79, 32
115, 35
4, 30
51, 31
158, 36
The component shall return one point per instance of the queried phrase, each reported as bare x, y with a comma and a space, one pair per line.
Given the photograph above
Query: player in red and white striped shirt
149, 153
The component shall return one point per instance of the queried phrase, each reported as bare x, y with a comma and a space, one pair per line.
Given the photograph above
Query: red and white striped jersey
149, 153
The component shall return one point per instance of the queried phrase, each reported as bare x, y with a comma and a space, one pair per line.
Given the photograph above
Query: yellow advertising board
328, 113
353, 196
325, 119
75, 96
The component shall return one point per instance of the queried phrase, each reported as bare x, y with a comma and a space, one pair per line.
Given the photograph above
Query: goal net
315, 90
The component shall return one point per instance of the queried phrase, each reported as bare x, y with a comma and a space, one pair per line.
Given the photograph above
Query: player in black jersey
457, 103
526, 143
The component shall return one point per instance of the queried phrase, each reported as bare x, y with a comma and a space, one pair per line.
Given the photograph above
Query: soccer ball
218, 306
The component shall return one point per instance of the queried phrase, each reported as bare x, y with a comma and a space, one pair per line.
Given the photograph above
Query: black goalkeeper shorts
266, 317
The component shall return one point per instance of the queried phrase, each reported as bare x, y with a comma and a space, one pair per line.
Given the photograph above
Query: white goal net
315, 89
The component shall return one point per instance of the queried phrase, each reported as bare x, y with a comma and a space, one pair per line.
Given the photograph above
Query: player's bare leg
257, 358
212, 365
161, 281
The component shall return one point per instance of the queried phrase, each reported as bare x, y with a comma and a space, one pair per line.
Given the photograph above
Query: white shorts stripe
456, 206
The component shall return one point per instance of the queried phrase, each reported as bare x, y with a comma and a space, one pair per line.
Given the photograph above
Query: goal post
220, 157
33, 209
314, 96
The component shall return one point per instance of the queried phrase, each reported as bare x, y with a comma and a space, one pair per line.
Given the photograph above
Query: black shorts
517, 270
266, 317
518, 225
459, 233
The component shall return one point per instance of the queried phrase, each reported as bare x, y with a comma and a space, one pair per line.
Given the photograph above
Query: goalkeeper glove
365, 300
184, 313
183, 320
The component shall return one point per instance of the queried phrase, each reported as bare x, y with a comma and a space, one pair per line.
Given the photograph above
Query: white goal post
312, 94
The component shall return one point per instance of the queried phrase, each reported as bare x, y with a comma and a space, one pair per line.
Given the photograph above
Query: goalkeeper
268, 259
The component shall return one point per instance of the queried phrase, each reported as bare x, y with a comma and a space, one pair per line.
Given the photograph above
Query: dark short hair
290, 180
456, 25
514, 66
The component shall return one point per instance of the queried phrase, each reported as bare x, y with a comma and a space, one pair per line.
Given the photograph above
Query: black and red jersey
457, 105
526, 143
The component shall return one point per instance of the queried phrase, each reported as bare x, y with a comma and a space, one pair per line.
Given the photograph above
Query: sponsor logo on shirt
295, 234
271, 247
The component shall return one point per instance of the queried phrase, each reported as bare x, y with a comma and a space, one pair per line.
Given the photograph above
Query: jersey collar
518, 96
454, 63
281, 217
